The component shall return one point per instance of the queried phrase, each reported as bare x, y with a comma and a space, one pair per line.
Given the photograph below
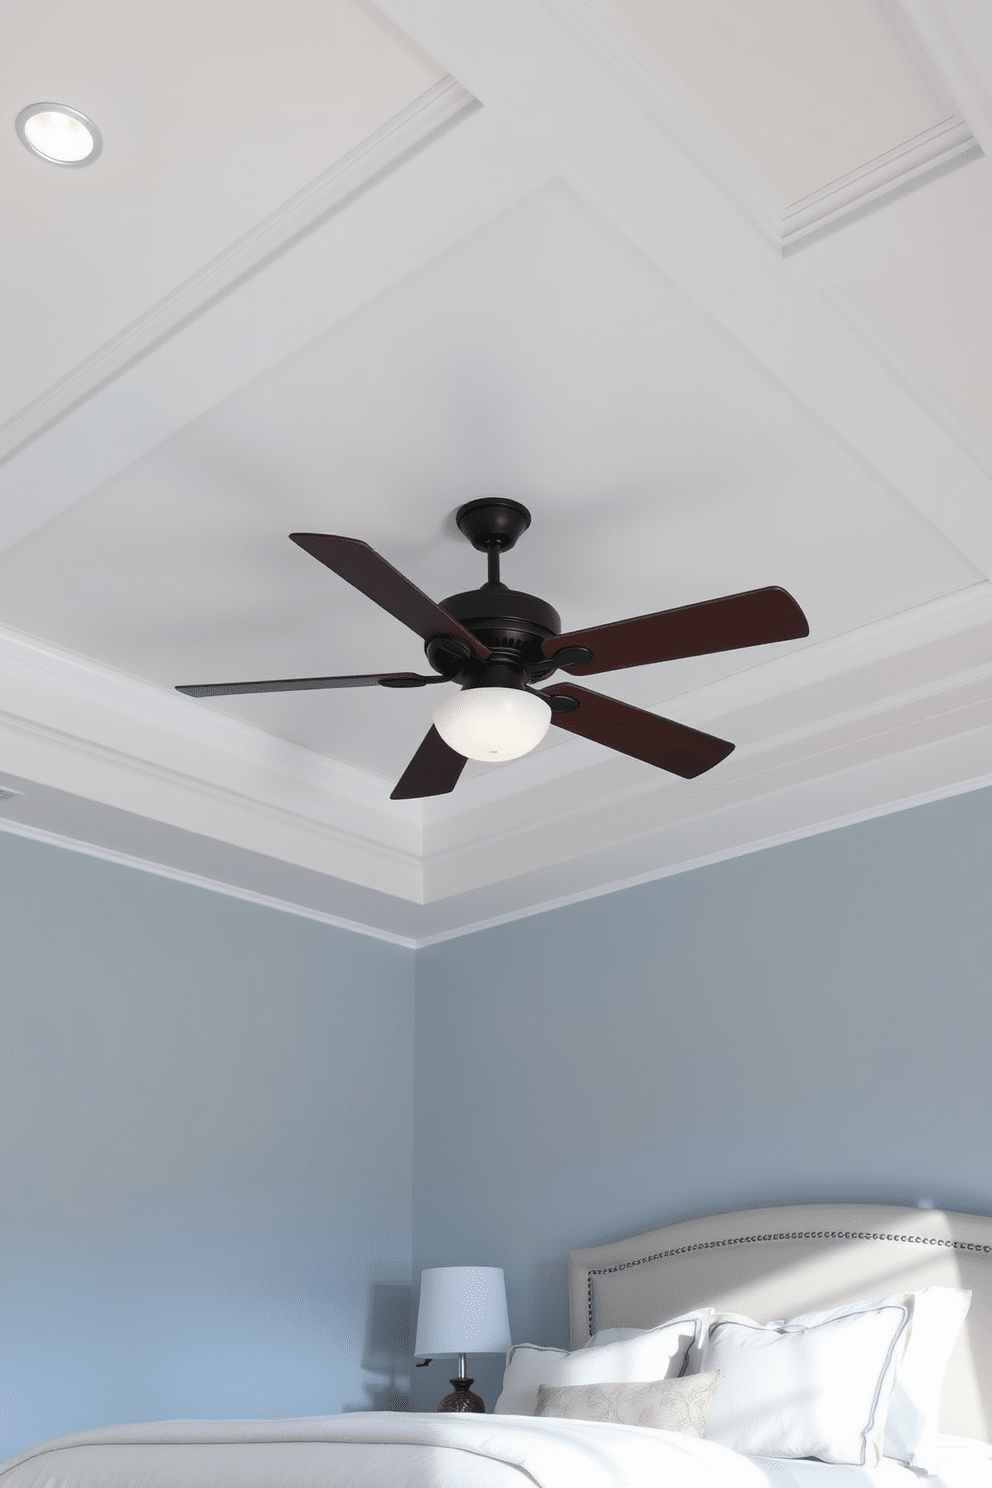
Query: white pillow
806, 1388
656, 1353
911, 1422
612, 1335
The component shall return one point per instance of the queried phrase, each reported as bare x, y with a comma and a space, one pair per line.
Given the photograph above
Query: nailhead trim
664, 1255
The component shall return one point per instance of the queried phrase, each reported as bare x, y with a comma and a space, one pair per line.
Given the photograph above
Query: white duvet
380, 1450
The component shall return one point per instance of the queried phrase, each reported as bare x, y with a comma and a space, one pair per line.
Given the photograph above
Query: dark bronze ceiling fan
496, 643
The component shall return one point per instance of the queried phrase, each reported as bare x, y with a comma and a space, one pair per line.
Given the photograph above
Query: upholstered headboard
774, 1263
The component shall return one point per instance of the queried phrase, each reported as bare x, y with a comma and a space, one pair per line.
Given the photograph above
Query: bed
756, 1266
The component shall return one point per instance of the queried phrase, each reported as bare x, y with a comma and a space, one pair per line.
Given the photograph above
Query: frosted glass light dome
493, 723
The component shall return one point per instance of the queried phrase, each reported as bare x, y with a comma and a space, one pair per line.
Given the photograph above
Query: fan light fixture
493, 723
59, 134
496, 644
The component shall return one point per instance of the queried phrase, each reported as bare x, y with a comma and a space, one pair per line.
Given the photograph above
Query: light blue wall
205, 1133
205, 1153
810, 1022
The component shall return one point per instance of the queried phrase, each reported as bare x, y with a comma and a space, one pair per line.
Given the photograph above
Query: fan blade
752, 619
433, 771
362, 566
310, 684
658, 741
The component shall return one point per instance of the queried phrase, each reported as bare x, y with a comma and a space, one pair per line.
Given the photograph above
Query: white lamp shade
493, 723
462, 1311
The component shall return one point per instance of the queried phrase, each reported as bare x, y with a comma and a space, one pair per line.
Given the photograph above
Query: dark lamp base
463, 1398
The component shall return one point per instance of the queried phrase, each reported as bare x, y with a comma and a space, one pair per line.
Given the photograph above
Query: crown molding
577, 824
816, 828
74, 724
199, 881
955, 61
409, 131
909, 165
905, 168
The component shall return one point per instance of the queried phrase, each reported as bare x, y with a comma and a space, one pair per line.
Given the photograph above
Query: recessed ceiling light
59, 134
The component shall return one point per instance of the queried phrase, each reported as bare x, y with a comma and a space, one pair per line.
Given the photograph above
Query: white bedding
381, 1450
961, 1463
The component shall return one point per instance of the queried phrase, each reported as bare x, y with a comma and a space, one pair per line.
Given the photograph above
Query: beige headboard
774, 1263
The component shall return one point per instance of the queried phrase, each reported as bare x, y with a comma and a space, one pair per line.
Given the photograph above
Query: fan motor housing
511, 624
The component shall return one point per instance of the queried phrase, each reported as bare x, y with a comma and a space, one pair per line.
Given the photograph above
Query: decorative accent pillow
667, 1404
656, 1353
807, 1387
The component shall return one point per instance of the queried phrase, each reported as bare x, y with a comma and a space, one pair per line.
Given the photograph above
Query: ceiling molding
890, 715
76, 678
955, 60
198, 881
842, 808
799, 224
416, 126
913, 164
73, 724
113, 739
706, 860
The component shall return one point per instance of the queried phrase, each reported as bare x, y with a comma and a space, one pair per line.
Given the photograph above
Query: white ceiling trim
389, 147
909, 166
719, 855
75, 725
940, 32
796, 225
198, 881
962, 760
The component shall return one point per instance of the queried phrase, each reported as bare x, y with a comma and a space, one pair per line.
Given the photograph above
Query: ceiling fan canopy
496, 644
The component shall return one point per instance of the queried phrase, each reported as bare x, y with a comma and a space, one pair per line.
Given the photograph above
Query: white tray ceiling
566, 296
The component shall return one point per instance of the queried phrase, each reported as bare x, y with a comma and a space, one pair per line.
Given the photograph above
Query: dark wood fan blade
433, 771
363, 567
310, 684
752, 619
658, 741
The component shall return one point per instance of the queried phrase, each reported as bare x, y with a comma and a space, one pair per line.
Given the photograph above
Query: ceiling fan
495, 643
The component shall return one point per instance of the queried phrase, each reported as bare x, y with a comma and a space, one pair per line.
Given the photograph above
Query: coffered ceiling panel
543, 360
213, 113
806, 92
541, 249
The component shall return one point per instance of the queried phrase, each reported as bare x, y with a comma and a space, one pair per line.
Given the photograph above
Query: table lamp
462, 1311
